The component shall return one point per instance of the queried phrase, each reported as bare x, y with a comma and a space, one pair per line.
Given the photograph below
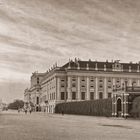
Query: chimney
78, 65
104, 67
69, 66
129, 68
87, 66
122, 67
96, 66
138, 68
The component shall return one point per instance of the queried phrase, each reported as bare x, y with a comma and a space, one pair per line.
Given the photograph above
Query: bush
102, 107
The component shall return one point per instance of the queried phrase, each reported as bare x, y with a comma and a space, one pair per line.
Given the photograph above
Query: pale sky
34, 34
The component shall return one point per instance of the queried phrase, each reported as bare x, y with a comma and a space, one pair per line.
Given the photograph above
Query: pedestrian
25, 111
44, 110
62, 112
18, 110
30, 111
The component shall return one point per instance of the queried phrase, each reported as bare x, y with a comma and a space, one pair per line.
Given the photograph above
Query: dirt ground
41, 126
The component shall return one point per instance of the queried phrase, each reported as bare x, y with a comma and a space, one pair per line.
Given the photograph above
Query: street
41, 126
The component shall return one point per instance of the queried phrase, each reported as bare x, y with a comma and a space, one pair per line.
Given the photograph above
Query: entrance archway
37, 109
119, 107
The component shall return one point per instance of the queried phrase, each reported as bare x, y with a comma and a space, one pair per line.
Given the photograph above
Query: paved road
40, 126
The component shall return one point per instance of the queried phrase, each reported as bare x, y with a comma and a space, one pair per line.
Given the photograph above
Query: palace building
79, 81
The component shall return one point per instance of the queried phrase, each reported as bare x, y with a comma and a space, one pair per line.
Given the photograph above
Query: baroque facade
78, 81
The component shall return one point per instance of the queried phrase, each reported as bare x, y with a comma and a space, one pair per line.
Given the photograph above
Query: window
62, 95
50, 96
62, 85
101, 86
54, 95
83, 86
100, 80
109, 95
91, 95
73, 95
92, 86
100, 95
83, 95
73, 79
109, 86
37, 80
62, 80
83, 79
37, 100
73, 85
109, 81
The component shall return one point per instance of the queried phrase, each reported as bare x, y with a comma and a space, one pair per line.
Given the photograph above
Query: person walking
25, 111
18, 110
30, 110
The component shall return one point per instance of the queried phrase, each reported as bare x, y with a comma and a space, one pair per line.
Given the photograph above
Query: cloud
35, 34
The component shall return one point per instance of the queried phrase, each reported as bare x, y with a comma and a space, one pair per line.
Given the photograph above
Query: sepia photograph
69, 69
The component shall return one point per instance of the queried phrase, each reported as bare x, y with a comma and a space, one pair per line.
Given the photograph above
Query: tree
16, 104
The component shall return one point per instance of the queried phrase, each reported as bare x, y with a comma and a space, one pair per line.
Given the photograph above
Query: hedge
101, 107
135, 112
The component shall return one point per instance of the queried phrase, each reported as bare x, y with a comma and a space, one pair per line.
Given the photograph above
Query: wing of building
79, 80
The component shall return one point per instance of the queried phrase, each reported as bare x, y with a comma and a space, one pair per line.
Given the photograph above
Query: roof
101, 65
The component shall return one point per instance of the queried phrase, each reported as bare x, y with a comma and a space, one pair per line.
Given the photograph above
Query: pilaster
96, 88
78, 87
58, 88
88, 93
69, 88
105, 88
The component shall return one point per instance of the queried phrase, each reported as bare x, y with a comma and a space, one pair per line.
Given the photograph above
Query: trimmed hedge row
101, 107
135, 112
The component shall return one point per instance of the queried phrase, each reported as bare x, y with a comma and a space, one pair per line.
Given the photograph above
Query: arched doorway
119, 107
37, 109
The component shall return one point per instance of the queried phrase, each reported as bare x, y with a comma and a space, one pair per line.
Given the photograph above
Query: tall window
62, 85
62, 80
62, 95
109, 95
91, 95
73, 95
92, 86
37, 80
101, 86
73, 85
83, 95
100, 80
74, 79
100, 95
54, 95
37, 100
83, 86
